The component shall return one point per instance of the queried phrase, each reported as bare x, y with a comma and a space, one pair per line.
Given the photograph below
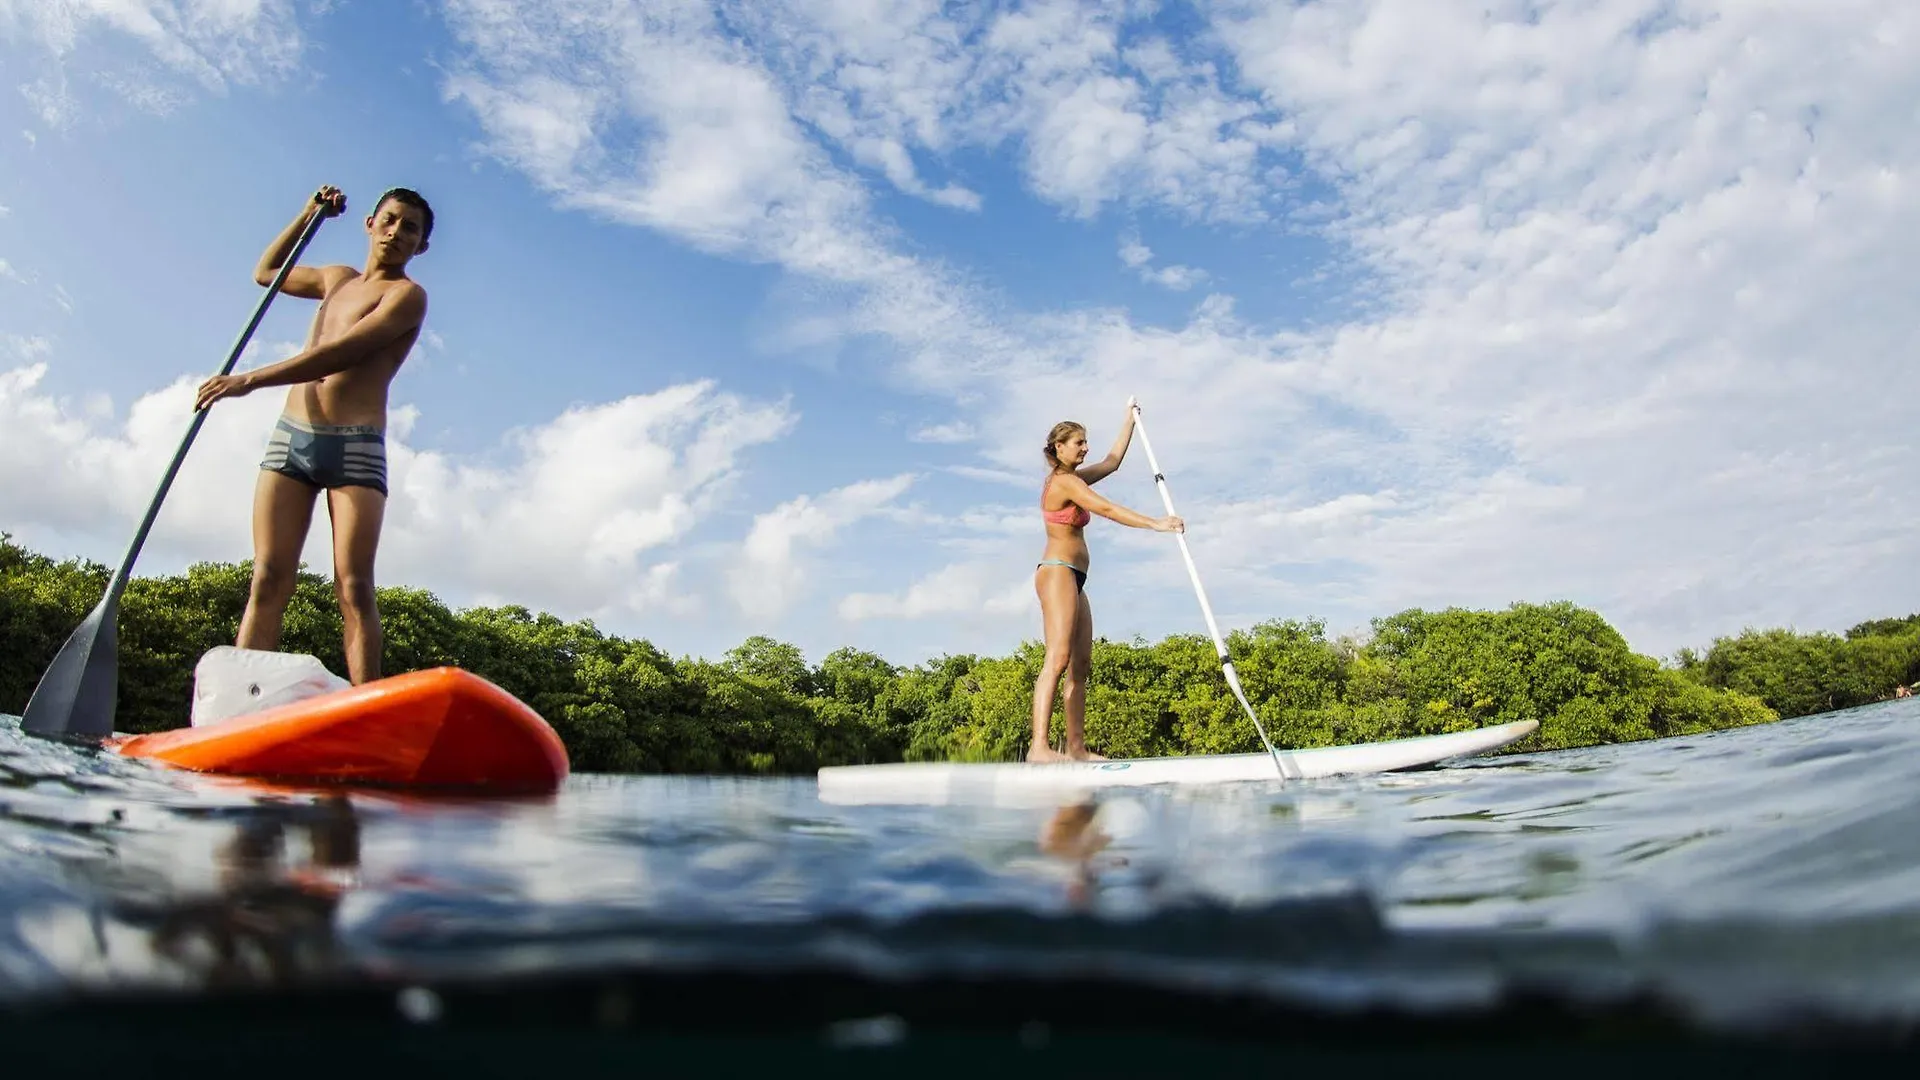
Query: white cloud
211, 40
563, 89
211, 43
1610, 362
654, 118
957, 431
51, 102
1178, 278
1139, 258
1083, 138
28, 349
1618, 255
582, 501
143, 93
876, 77
62, 473
579, 515
258, 353
772, 568
1096, 121
1632, 320
994, 476
1632, 329
958, 589
8, 273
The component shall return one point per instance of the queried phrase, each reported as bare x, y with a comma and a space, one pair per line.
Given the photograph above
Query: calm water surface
1739, 877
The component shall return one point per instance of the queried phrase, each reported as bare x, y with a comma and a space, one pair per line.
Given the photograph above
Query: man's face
397, 232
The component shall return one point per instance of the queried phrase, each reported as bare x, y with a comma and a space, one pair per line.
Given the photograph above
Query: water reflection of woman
1072, 835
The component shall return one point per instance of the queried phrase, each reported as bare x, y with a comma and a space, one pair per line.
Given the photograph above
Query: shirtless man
332, 432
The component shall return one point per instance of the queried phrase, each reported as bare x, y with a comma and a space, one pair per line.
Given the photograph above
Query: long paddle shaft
77, 696
1206, 609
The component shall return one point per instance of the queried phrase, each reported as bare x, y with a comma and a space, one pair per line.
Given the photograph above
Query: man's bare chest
347, 306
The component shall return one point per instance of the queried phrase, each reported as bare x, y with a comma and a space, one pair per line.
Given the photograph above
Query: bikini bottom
1079, 575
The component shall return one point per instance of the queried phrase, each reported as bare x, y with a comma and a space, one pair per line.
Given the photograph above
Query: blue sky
750, 318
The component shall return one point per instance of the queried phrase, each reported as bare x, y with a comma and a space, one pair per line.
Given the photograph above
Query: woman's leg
1059, 609
1079, 667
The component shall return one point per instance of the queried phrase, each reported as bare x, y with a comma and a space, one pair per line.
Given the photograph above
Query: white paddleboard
941, 783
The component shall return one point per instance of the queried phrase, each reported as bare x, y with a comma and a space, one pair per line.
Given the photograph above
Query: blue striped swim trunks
327, 455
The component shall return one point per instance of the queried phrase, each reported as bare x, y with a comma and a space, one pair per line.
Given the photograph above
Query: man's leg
282, 510
357, 514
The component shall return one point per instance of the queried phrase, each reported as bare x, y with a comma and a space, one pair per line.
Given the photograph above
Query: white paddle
1288, 771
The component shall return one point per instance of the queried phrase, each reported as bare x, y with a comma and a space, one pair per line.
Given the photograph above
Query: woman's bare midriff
1067, 543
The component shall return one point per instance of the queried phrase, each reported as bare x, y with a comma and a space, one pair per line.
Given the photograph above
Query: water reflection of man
270, 922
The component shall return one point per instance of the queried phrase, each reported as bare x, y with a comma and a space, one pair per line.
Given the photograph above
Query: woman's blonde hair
1060, 433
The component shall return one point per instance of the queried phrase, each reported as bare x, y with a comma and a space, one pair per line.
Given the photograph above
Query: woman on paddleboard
1067, 504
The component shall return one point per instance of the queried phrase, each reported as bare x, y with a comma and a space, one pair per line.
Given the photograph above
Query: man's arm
401, 311
303, 281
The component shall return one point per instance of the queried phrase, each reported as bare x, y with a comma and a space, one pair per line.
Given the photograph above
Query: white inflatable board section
230, 682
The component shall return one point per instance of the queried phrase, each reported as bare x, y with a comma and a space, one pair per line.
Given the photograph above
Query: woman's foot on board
1041, 753
1081, 753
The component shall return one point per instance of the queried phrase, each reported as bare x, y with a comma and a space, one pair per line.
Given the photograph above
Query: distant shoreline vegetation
621, 705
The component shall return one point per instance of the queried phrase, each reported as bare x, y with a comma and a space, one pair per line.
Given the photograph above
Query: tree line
622, 705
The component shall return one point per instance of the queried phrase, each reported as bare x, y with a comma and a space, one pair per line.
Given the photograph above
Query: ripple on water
1732, 872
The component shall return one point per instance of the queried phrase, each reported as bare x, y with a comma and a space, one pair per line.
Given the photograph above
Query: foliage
1797, 674
621, 705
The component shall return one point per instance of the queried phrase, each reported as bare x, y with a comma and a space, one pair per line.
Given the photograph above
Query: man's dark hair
409, 197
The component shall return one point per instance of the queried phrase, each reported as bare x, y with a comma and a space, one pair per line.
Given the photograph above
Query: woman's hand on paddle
1170, 523
221, 386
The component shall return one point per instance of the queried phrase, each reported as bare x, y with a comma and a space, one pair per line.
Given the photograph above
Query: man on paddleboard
331, 435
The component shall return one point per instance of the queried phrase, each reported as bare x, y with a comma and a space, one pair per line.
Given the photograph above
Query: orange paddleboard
441, 728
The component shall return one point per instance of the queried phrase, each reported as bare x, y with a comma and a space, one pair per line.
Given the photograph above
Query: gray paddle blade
77, 695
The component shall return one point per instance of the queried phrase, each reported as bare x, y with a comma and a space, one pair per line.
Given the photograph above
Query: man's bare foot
1084, 754
1045, 753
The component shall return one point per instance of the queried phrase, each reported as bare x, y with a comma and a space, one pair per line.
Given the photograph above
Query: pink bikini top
1066, 515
